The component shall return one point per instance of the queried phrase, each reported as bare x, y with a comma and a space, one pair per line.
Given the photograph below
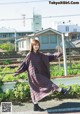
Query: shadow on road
65, 107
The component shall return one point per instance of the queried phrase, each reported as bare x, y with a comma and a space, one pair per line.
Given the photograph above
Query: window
74, 30
11, 34
37, 23
0, 35
4, 35
53, 39
78, 36
45, 39
67, 28
22, 44
74, 36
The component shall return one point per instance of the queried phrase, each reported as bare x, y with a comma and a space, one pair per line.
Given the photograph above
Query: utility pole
64, 55
15, 41
24, 18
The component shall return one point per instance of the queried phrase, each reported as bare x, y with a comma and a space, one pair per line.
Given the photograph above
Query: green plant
75, 92
1, 96
1, 83
8, 77
5, 62
7, 46
22, 91
9, 95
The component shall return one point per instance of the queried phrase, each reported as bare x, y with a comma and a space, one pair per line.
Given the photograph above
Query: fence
14, 58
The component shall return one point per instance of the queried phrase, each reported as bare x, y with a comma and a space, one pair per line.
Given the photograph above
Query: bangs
34, 42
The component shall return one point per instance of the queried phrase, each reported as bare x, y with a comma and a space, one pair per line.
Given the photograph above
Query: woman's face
36, 47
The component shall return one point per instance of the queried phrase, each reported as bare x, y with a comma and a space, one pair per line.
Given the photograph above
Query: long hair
34, 42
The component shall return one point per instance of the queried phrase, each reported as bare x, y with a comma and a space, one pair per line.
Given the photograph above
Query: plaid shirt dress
37, 66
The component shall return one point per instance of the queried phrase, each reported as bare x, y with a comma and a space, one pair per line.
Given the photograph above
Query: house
74, 36
49, 38
9, 34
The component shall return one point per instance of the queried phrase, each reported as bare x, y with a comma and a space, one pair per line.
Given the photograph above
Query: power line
62, 16
17, 19
6, 3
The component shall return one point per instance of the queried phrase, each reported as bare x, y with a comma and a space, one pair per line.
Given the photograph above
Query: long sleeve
54, 56
23, 67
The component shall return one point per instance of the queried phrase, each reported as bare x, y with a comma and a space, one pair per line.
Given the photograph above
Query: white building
37, 23
67, 28
74, 33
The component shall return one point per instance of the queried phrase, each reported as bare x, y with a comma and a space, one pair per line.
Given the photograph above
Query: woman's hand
58, 54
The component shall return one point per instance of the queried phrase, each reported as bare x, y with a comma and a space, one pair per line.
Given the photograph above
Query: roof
12, 30
39, 33
45, 30
76, 43
68, 44
23, 29
6, 30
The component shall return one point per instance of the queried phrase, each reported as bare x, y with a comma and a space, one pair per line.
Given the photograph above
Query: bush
21, 93
7, 46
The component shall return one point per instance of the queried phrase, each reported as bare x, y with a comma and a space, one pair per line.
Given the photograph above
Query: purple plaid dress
37, 66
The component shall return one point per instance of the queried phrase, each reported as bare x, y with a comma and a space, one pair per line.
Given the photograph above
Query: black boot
37, 108
65, 91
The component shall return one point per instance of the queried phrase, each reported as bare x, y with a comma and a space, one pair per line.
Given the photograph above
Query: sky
15, 9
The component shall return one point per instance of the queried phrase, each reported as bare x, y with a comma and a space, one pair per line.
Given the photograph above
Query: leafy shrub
1, 96
7, 46
8, 77
22, 91
9, 95
6, 62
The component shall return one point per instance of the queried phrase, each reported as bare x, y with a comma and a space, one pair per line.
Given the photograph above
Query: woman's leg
62, 90
37, 107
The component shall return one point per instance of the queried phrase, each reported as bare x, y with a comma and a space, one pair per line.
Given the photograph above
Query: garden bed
19, 91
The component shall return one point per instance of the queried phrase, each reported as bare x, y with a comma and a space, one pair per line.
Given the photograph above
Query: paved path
63, 106
67, 81
29, 112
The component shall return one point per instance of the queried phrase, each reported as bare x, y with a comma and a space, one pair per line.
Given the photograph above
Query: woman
36, 64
